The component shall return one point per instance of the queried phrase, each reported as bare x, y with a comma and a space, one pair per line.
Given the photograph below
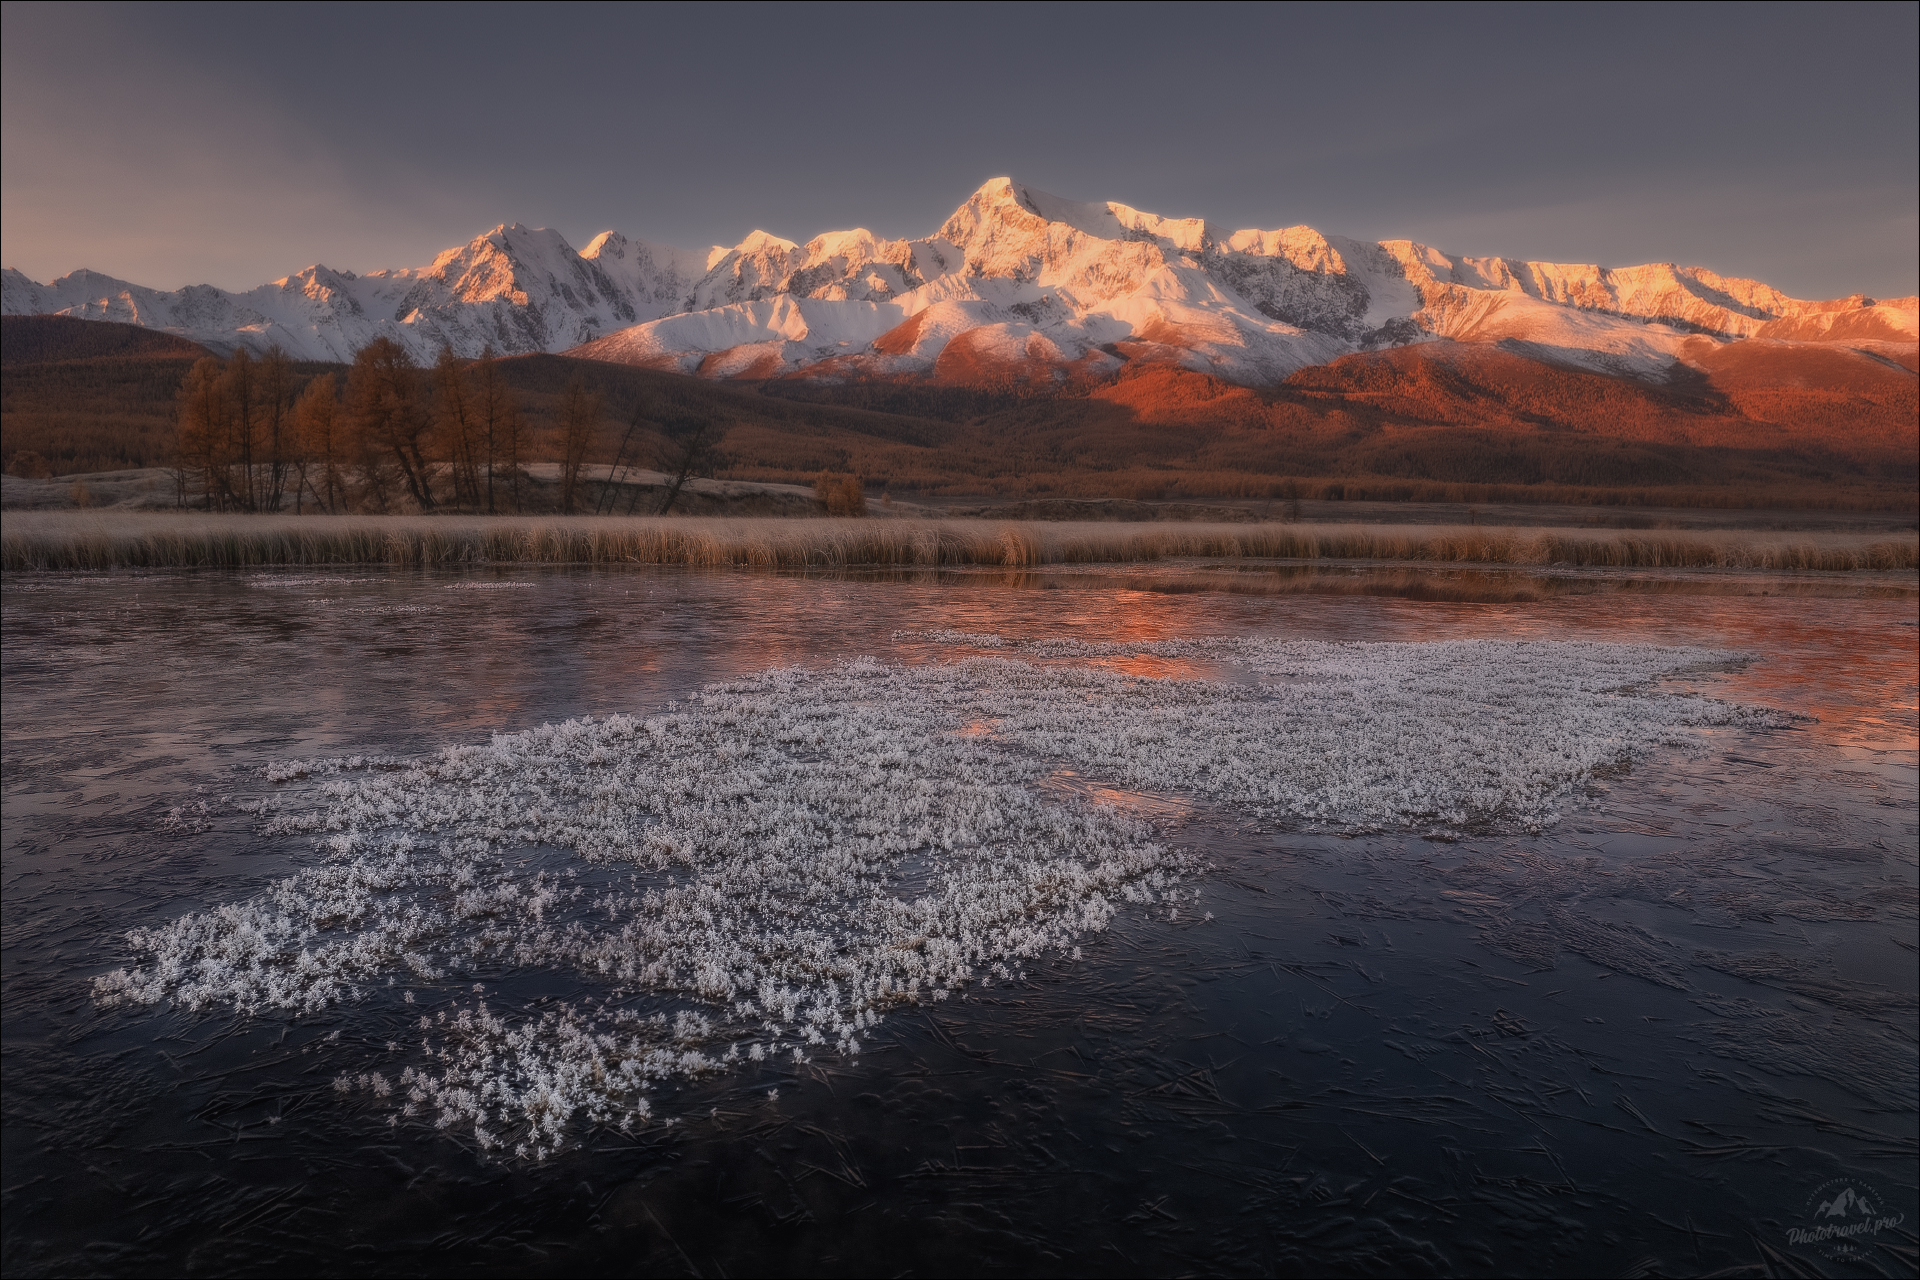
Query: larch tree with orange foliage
276, 389
388, 412
322, 455
457, 427
242, 429
840, 495
501, 434
201, 433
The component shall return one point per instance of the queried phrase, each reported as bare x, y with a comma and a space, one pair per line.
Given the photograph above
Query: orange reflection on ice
1849, 663
1143, 617
1157, 809
1154, 668
1162, 810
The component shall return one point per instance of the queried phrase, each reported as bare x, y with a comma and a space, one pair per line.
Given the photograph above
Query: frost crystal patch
767, 868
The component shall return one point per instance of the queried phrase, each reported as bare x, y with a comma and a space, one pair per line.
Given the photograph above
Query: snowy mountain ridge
514, 288
1016, 284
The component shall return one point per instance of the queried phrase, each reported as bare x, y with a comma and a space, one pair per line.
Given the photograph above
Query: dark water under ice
1654, 1040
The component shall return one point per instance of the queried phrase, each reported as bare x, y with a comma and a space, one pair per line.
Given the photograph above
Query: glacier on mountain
1017, 285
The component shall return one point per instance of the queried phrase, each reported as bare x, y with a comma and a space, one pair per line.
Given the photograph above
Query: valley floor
633, 491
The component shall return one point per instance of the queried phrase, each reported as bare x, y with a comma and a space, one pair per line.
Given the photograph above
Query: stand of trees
249, 438
236, 430
252, 436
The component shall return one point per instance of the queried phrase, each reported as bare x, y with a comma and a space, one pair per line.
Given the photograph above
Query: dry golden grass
62, 540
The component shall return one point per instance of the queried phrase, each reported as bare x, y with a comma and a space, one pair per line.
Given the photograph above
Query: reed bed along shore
66, 541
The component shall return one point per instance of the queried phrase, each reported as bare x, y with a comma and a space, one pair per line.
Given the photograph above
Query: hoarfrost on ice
763, 871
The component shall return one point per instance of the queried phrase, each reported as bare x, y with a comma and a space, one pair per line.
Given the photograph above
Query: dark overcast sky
172, 144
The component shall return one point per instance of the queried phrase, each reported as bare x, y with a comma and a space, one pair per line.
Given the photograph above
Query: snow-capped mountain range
1016, 284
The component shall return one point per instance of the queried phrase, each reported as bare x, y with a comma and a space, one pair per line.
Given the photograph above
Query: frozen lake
1357, 1004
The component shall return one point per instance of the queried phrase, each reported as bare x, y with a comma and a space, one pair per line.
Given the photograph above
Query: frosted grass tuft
761, 873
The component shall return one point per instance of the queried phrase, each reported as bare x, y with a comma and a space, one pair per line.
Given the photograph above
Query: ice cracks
766, 869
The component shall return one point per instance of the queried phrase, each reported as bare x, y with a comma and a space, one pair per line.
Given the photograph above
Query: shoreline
81, 540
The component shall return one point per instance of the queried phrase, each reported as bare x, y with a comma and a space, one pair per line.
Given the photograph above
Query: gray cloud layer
180, 144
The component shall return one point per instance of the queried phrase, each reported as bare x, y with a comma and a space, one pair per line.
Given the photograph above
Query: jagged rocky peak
1016, 282
1002, 206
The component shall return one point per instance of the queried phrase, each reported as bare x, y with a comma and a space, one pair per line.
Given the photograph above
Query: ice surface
766, 869
1477, 734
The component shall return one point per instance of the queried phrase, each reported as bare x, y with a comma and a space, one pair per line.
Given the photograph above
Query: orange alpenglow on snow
1016, 288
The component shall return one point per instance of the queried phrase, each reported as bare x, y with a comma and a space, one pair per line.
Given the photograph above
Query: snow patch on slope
1558, 335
